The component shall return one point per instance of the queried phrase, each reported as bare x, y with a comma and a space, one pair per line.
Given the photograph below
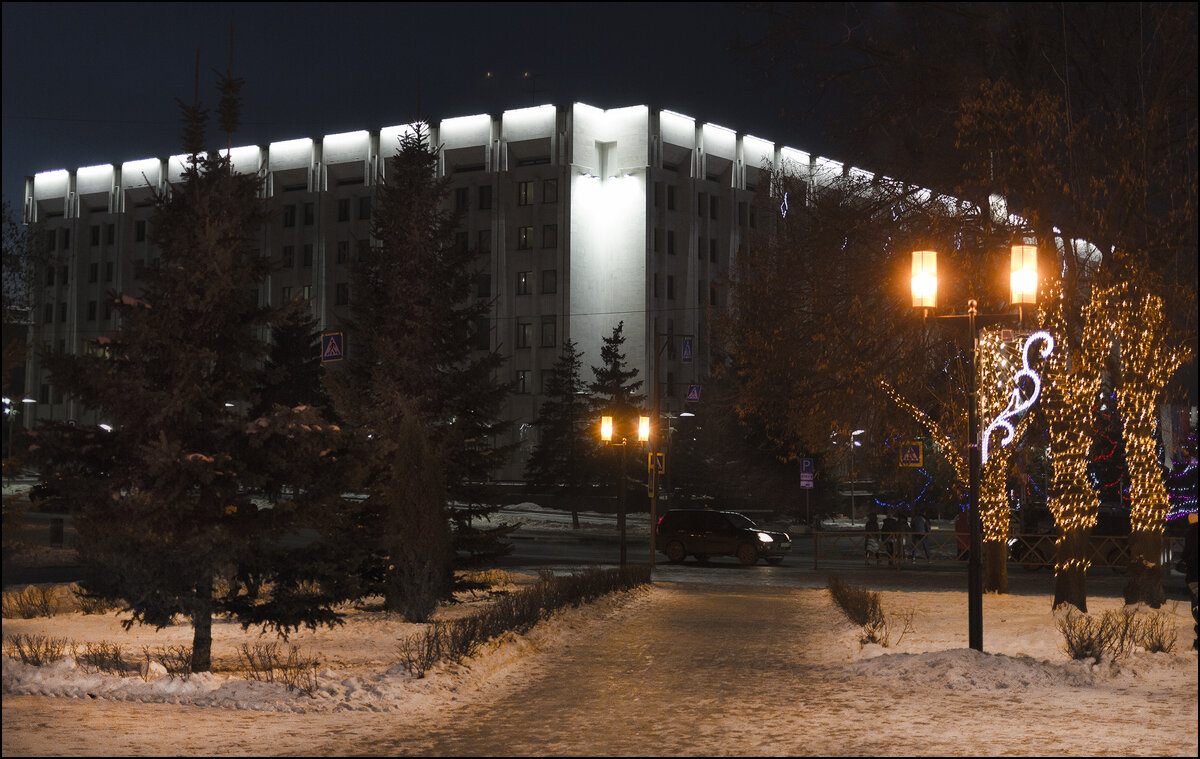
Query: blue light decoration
1017, 404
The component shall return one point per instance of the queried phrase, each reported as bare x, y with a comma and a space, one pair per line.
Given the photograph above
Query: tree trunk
995, 567
1145, 571
1070, 576
202, 628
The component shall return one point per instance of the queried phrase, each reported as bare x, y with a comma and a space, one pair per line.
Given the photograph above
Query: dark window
289, 256
549, 281
485, 197
522, 385
550, 191
308, 254
670, 242
95, 230
485, 241
670, 197
342, 296
712, 251
549, 235
289, 216
139, 231
712, 206
549, 325
93, 273
110, 234
670, 288
48, 313
91, 311
343, 251
524, 193
364, 208
460, 242
66, 239
343, 209
108, 271
310, 215
484, 285
462, 198
524, 334
50, 275
62, 313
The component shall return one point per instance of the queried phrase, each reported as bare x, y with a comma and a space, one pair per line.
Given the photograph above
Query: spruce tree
564, 455
413, 383
292, 373
167, 495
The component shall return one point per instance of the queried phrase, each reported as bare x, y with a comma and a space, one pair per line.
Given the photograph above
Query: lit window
524, 193
524, 238
523, 278
522, 385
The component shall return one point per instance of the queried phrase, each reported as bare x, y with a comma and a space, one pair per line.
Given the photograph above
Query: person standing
890, 525
920, 529
871, 542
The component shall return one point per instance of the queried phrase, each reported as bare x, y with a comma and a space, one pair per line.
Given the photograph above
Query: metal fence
1030, 552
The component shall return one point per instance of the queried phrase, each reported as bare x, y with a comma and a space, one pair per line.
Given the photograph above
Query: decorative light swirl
783, 208
1015, 404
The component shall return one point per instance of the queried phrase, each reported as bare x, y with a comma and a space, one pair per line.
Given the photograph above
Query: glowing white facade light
1016, 403
924, 279
1024, 277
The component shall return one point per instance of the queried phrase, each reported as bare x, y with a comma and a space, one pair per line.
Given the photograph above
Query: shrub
1115, 633
90, 604
458, 639
31, 602
104, 657
863, 608
1158, 634
177, 660
35, 649
265, 664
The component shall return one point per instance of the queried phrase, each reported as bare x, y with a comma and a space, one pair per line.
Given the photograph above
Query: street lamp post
1023, 289
606, 434
853, 473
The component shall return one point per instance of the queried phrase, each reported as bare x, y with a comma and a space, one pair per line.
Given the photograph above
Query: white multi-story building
585, 218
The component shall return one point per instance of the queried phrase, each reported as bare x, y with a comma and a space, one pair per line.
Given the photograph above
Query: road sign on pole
331, 347
911, 454
806, 474
687, 350
693, 394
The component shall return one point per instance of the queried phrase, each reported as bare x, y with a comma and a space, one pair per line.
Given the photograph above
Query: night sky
96, 83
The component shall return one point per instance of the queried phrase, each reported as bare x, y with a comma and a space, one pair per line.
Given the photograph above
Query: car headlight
765, 538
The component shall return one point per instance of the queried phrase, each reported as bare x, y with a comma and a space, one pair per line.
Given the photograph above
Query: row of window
307, 212
60, 239
526, 194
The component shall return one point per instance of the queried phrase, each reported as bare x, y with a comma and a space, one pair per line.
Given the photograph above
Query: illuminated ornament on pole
1017, 405
924, 279
1024, 277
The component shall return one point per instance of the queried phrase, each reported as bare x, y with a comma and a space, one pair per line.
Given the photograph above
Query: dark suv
703, 533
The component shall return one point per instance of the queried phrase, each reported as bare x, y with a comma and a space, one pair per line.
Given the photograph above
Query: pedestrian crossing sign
911, 454
331, 347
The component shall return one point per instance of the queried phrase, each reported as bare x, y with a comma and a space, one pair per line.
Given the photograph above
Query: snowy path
690, 669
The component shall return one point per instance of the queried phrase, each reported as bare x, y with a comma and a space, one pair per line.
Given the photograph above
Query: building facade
583, 218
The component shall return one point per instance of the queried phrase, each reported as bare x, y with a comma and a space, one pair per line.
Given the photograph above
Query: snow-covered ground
60, 709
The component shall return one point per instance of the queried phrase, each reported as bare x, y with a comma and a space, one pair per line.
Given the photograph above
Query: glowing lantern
606, 428
1024, 275
924, 279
